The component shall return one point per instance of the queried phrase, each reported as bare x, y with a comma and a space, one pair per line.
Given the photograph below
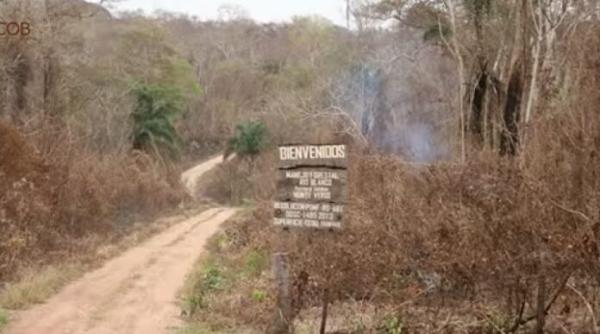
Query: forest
473, 131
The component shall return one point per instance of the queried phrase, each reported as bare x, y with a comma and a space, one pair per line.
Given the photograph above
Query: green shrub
156, 106
249, 140
202, 282
3, 319
391, 325
212, 278
193, 302
194, 329
255, 262
258, 295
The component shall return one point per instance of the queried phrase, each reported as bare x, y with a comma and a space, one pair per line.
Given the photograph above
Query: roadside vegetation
3, 319
487, 228
229, 290
37, 285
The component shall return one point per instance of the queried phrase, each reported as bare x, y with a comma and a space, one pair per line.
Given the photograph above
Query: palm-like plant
249, 140
156, 106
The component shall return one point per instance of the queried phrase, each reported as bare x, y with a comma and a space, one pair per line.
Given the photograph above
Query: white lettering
312, 152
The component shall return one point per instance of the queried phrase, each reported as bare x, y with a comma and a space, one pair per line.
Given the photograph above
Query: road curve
134, 293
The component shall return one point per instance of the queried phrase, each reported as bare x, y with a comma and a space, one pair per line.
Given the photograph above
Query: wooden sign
311, 186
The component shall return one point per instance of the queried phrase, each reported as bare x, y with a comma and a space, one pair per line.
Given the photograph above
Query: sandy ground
135, 292
191, 176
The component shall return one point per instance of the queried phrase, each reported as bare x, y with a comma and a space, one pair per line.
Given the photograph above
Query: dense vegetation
497, 233
474, 130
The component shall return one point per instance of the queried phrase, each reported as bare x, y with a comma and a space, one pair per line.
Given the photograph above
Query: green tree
249, 140
156, 107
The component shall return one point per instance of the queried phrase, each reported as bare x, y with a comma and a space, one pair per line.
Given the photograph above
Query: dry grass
65, 204
201, 329
195, 329
3, 319
444, 247
229, 287
66, 213
453, 248
35, 287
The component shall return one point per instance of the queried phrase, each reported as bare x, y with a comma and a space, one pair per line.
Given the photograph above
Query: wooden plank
283, 317
311, 186
319, 185
314, 215
292, 156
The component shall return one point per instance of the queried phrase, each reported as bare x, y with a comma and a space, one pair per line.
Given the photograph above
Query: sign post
311, 194
311, 186
283, 316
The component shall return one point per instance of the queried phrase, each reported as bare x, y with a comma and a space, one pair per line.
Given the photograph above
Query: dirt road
190, 177
135, 292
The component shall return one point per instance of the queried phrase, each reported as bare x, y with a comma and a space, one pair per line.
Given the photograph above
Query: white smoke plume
399, 98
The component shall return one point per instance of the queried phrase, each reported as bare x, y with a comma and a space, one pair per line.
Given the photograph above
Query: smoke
391, 123
414, 142
402, 106
361, 89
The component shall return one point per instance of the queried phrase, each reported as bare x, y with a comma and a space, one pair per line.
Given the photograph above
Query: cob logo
14, 28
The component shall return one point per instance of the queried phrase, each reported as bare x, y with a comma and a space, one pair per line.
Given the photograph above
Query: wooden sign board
311, 186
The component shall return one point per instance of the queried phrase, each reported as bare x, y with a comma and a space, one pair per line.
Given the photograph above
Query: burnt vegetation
474, 185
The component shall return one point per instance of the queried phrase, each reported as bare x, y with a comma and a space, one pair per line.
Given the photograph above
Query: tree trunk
536, 54
477, 119
541, 305
509, 138
461, 79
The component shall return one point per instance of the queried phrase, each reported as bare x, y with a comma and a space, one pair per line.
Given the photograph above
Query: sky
259, 10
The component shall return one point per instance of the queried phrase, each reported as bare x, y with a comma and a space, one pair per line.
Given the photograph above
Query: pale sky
259, 10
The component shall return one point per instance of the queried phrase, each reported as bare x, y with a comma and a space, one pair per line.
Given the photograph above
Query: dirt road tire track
134, 293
